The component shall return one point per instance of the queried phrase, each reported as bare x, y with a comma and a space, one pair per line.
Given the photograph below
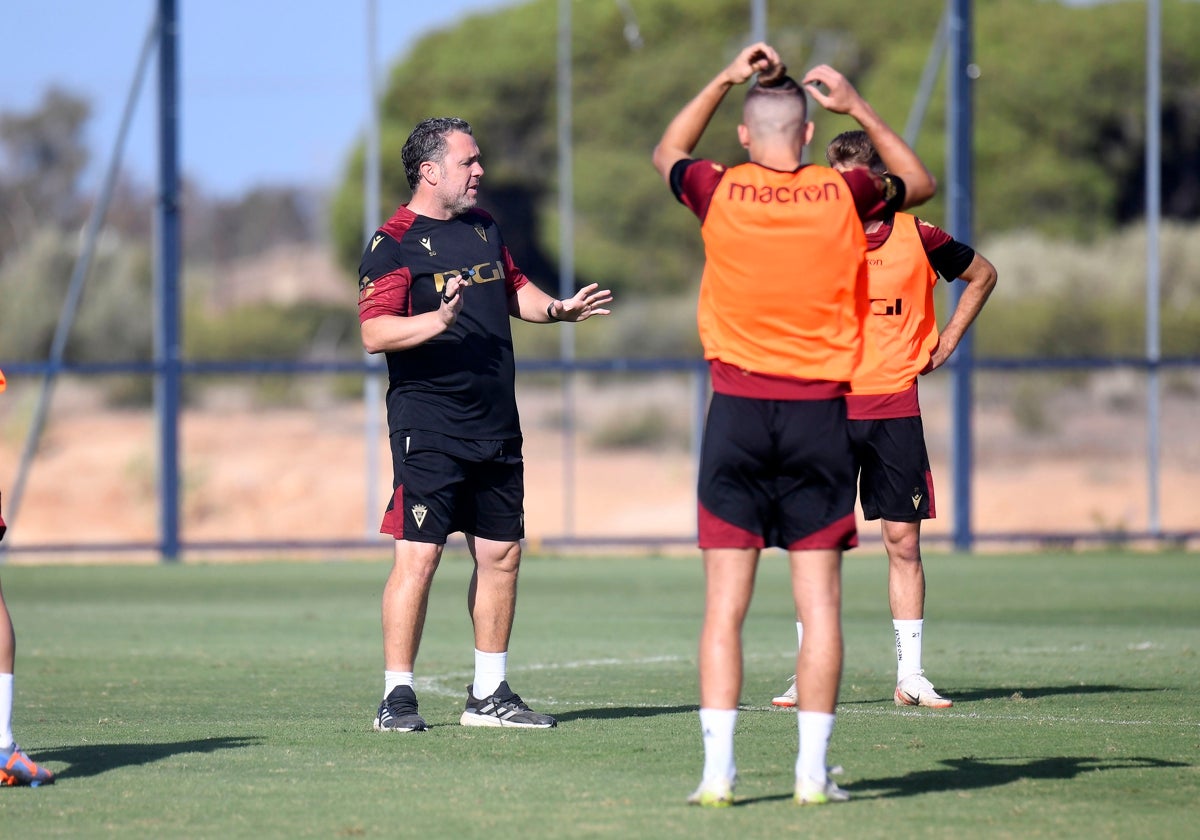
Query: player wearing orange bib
782, 300
901, 342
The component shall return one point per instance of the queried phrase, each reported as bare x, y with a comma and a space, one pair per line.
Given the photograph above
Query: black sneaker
503, 708
398, 712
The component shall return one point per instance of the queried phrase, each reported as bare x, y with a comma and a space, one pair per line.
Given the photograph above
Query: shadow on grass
1017, 692
968, 773
94, 759
623, 712
966, 695
975, 773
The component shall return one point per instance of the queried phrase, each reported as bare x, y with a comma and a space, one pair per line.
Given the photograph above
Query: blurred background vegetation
1059, 139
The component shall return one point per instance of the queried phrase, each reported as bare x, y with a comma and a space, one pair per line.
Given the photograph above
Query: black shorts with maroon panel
776, 473
443, 484
894, 478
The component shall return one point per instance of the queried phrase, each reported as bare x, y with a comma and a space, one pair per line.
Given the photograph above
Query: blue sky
273, 91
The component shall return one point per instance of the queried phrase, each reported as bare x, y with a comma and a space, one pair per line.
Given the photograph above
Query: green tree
115, 318
42, 154
1059, 117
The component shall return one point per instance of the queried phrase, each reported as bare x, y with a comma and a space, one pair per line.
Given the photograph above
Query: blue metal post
959, 142
167, 333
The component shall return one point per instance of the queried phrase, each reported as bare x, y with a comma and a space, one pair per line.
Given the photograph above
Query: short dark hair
784, 86
854, 148
428, 142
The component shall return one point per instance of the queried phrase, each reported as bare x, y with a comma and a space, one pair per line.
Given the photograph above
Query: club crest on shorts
419, 512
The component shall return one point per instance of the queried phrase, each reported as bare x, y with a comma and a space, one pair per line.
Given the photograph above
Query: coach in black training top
437, 287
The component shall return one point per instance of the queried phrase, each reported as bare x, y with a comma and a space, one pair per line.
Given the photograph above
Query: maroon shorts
776, 473
894, 479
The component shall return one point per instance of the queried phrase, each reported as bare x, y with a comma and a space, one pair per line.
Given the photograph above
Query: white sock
490, 670
6, 700
391, 679
816, 728
908, 646
716, 725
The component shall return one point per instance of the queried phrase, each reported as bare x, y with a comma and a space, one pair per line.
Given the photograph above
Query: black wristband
550, 310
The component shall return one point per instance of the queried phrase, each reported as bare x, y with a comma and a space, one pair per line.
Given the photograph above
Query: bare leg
8, 639
16, 768
906, 593
492, 597
405, 599
8, 651
906, 574
729, 585
817, 588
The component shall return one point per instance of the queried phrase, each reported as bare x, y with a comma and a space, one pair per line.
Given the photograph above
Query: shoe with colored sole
787, 700
502, 708
809, 792
717, 793
915, 690
16, 768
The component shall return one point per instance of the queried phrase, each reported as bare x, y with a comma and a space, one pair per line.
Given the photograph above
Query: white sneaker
809, 792
717, 793
787, 700
915, 690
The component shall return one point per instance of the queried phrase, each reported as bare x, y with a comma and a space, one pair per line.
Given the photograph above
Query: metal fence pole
929, 76
1153, 213
167, 333
566, 271
758, 20
959, 207
372, 392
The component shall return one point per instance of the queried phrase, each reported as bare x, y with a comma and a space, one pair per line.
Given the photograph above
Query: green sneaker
809, 792
713, 794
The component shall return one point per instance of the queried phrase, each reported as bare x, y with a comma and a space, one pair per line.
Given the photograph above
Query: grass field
236, 701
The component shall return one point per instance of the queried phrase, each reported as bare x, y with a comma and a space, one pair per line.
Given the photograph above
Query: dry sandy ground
299, 473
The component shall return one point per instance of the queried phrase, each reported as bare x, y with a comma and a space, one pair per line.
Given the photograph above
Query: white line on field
846, 710
452, 684
608, 661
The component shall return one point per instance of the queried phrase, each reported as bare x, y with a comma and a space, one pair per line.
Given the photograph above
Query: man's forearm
683, 133
899, 159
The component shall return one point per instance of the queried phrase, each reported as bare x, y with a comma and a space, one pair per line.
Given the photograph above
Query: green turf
236, 701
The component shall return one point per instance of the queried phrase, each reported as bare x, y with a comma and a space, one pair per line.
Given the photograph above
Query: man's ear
429, 172
809, 128
744, 135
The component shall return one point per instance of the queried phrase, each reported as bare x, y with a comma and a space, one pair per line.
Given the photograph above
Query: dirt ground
286, 474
